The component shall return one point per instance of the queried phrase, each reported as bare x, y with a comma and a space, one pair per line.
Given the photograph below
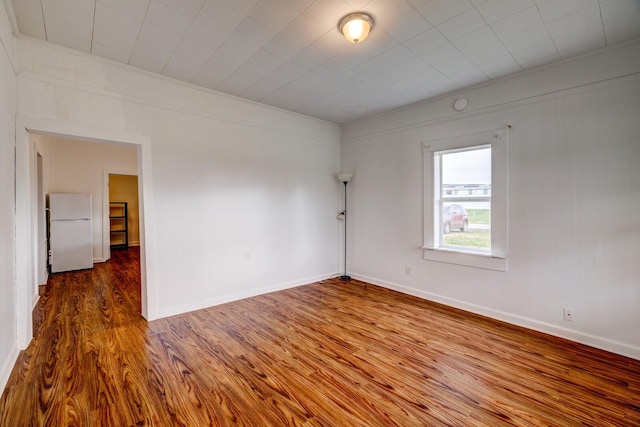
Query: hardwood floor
326, 354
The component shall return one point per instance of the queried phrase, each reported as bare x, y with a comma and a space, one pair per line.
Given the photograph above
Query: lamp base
345, 278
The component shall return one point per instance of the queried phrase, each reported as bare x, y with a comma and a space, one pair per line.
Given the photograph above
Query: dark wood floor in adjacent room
326, 354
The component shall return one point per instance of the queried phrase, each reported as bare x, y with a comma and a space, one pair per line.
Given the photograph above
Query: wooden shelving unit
119, 224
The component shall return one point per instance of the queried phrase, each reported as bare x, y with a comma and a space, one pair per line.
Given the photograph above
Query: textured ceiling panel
290, 54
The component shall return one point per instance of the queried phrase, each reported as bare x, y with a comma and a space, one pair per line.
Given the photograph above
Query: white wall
574, 199
8, 342
245, 195
78, 167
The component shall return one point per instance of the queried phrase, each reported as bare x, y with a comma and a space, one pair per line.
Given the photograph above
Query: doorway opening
124, 220
81, 167
32, 181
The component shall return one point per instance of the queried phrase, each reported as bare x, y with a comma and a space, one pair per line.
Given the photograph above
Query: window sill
469, 259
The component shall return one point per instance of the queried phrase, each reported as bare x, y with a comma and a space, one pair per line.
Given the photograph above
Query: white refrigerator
70, 231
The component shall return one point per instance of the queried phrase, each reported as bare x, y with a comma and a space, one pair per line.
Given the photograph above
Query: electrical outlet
568, 314
407, 271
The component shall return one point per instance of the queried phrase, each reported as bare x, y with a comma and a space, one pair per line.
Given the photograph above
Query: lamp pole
344, 178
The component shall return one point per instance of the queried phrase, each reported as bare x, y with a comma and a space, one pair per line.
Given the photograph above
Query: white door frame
26, 217
41, 218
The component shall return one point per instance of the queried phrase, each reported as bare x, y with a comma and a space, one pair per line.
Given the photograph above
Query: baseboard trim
525, 322
8, 365
35, 299
211, 302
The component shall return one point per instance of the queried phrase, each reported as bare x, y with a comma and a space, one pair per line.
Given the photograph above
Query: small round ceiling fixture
356, 26
460, 104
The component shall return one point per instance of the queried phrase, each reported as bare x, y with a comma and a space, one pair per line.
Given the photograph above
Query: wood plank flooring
326, 354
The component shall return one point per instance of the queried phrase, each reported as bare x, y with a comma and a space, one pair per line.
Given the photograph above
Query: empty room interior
320, 212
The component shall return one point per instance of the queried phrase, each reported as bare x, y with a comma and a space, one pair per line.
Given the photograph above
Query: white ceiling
290, 54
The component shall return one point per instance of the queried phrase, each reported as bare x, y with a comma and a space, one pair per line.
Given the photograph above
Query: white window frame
497, 258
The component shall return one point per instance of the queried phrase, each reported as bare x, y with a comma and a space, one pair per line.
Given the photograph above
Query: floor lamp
345, 178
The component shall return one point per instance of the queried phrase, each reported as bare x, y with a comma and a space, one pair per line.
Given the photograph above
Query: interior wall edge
493, 108
108, 62
8, 267
601, 343
108, 78
600, 67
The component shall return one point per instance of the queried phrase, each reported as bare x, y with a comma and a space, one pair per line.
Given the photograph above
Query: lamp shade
356, 26
344, 177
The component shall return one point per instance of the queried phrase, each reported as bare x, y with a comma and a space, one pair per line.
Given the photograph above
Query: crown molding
12, 17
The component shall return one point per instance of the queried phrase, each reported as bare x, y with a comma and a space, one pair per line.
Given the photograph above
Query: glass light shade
344, 177
356, 27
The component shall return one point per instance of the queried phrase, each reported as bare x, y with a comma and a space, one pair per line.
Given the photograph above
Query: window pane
466, 199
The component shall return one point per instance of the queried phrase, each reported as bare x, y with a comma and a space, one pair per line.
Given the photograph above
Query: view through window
463, 198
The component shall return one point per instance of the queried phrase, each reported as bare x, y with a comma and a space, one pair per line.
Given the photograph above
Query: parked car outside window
454, 217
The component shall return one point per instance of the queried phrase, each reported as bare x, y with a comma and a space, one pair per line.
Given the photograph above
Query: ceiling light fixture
356, 26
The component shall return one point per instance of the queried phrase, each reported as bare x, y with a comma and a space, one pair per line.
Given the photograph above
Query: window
465, 200
464, 221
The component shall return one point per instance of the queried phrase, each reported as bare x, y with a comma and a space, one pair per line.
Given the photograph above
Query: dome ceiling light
356, 26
